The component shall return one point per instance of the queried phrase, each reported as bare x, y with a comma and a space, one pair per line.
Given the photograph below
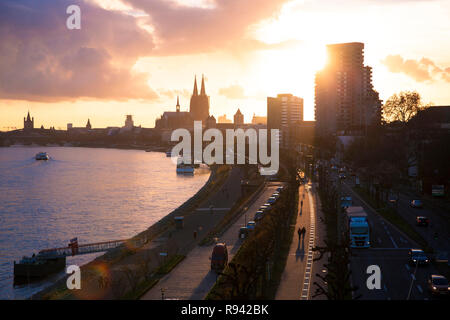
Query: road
389, 251
439, 222
192, 278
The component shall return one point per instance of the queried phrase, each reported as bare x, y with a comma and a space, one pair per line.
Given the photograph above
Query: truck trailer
357, 225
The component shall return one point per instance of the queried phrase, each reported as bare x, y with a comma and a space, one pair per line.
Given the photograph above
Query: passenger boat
42, 156
185, 168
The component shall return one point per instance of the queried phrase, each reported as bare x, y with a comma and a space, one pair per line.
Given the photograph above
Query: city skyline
264, 54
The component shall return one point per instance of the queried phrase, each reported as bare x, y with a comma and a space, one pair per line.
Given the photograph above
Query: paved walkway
192, 278
296, 280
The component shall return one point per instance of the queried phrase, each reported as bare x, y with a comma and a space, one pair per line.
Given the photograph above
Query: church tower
28, 122
199, 106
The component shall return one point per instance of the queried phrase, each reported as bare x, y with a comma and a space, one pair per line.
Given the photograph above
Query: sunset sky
135, 56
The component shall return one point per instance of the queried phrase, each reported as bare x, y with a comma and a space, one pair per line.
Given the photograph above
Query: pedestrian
299, 231
303, 231
301, 203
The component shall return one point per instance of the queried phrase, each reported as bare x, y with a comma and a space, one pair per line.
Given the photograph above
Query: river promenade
121, 271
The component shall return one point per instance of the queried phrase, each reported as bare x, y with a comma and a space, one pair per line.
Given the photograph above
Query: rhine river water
89, 193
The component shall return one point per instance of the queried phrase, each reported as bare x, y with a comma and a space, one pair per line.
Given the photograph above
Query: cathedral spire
202, 90
195, 93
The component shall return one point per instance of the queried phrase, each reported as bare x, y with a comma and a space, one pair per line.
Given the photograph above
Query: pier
74, 249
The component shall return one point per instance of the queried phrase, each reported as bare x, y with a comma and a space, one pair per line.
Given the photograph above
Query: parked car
258, 215
251, 225
219, 257
243, 232
279, 189
272, 200
438, 284
265, 207
418, 257
422, 221
417, 204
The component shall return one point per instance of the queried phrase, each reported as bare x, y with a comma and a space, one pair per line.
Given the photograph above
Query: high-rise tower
345, 101
199, 106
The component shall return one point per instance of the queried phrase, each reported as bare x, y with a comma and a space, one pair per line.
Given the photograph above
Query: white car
272, 200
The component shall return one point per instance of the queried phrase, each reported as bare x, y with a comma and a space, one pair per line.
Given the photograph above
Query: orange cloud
421, 70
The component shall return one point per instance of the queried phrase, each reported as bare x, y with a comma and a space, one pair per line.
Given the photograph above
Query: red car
219, 257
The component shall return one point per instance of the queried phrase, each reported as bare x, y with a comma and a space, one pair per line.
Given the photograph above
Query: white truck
358, 227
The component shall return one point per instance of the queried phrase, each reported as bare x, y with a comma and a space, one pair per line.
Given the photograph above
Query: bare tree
403, 106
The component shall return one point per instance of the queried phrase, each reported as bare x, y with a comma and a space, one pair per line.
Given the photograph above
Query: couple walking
301, 232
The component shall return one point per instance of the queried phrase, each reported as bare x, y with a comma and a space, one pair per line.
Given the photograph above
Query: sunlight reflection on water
93, 194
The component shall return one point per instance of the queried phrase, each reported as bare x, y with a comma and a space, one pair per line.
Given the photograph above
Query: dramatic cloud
41, 60
233, 92
420, 70
186, 29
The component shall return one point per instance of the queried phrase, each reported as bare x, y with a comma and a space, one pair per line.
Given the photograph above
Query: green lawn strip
390, 215
149, 283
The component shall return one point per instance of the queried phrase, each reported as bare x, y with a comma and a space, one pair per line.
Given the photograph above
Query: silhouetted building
238, 117
259, 119
211, 122
129, 123
174, 120
199, 106
223, 119
282, 113
79, 130
345, 101
28, 122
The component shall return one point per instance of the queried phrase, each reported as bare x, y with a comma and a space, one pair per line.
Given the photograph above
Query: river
89, 193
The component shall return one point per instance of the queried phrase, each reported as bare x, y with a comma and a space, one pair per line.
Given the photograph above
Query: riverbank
119, 271
148, 148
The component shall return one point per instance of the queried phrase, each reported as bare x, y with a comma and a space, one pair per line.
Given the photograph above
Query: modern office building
345, 101
282, 113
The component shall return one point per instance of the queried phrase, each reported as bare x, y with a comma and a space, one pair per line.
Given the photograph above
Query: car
417, 204
276, 194
279, 189
422, 221
341, 175
258, 215
219, 257
438, 284
266, 206
418, 257
243, 232
271, 200
251, 225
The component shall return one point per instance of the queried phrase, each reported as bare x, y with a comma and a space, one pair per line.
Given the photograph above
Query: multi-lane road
389, 251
